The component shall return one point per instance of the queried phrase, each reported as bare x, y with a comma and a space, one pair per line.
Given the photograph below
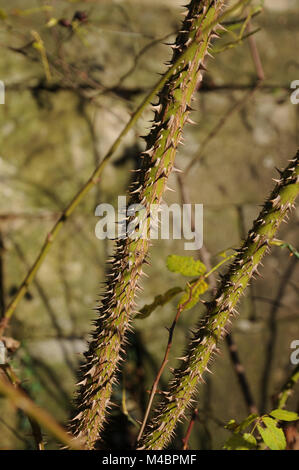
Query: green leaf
284, 415
240, 442
272, 436
192, 294
232, 425
37, 45
159, 300
249, 420
185, 265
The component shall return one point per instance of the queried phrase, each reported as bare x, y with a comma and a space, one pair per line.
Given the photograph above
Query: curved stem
212, 327
37, 414
106, 348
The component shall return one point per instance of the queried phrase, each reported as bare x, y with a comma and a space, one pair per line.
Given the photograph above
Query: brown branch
166, 355
185, 440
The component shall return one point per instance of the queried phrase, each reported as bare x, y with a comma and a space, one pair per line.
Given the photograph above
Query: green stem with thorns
117, 310
95, 177
211, 328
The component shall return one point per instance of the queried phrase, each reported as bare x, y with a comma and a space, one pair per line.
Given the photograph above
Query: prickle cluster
106, 347
212, 327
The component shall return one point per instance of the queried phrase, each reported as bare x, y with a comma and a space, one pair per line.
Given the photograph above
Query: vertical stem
190, 428
165, 359
2, 276
115, 314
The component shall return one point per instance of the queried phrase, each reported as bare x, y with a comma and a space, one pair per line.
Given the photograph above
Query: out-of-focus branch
19, 399
255, 54
288, 388
36, 430
166, 355
219, 125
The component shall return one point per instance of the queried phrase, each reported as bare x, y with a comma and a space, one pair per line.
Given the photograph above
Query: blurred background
74, 71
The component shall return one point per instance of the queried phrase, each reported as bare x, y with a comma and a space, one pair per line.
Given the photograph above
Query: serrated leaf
284, 415
272, 436
192, 294
244, 441
185, 265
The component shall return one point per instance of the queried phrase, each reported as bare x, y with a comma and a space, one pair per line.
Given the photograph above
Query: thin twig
272, 327
185, 440
255, 54
124, 405
166, 355
287, 388
36, 430
240, 373
219, 125
208, 87
24, 403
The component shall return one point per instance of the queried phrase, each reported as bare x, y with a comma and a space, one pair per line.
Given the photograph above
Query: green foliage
235, 427
244, 441
159, 301
284, 415
185, 265
290, 247
272, 436
193, 291
266, 428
